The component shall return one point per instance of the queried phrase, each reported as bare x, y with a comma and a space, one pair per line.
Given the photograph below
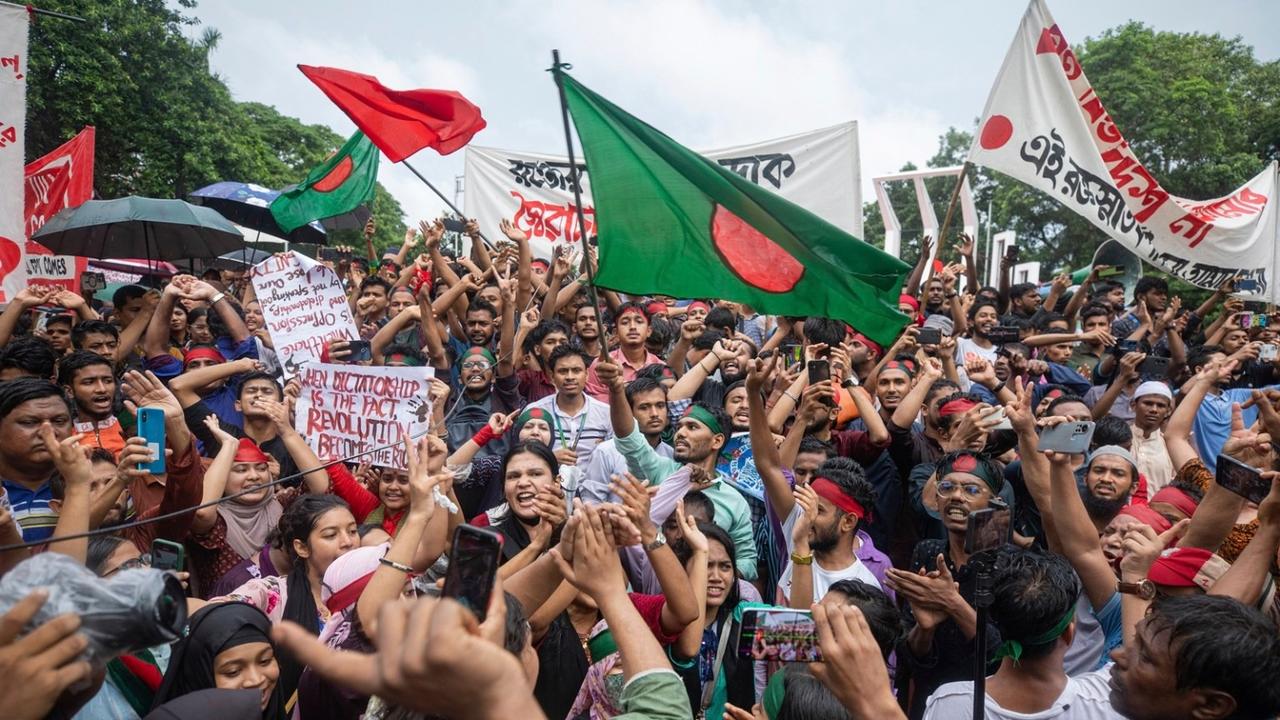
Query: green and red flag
673, 222
340, 184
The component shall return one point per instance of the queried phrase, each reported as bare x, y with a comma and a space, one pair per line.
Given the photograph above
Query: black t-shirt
209, 444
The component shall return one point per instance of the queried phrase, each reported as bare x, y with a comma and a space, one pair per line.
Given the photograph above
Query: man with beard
586, 327
828, 542
1109, 294
1024, 301
89, 380
1150, 298
728, 356
631, 325
1110, 477
1152, 404
700, 435
935, 296
648, 401
26, 404
983, 316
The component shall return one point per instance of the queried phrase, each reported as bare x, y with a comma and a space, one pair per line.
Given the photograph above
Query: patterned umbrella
249, 205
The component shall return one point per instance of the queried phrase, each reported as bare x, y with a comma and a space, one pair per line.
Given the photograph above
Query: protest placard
347, 409
304, 307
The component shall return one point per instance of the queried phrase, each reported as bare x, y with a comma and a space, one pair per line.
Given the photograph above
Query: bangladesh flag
340, 184
672, 222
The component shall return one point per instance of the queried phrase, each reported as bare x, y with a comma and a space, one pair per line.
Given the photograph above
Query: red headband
868, 343
347, 596
909, 300
957, 406
829, 490
202, 353
1179, 567
1147, 516
633, 309
249, 452
697, 303
1176, 498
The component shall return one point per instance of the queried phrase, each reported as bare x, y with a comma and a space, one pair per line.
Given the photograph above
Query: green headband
482, 352
537, 414
774, 693
971, 463
601, 645
1013, 648
408, 360
705, 417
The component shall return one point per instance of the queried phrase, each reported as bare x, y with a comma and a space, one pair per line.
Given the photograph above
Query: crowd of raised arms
663, 473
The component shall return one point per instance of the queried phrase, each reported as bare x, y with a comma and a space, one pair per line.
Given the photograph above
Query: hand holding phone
1241, 479
151, 429
1068, 437
166, 555
473, 567
361, 350
779, 634
929, 336
987, 529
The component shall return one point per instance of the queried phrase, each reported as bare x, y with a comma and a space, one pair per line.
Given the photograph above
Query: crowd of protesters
658, 469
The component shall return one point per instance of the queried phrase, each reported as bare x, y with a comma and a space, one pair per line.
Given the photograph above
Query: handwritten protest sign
304, 307
346, 409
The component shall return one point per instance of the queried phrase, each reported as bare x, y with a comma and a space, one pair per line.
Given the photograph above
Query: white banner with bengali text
816, 170
304, 307
348, 409
14, 21
1046, 126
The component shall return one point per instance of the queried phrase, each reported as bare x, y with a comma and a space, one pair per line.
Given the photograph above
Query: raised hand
759, 372
965, 247
514, 233
224, 438
144, 389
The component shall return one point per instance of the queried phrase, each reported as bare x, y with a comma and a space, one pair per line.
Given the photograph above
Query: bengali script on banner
817, 170
1045, 125
304, 306
13, 111
344, 410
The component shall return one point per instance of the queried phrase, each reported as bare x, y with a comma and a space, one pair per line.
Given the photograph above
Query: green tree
166, 125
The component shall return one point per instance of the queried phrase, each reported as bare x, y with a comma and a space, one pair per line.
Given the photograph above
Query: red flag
62, 179
400, 122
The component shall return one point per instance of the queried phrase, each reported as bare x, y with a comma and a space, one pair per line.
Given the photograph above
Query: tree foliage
166, 125
1199, 110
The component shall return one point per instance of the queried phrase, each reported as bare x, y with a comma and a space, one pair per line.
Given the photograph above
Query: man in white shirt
582, 421
648, 400
1152, 404
1034, 608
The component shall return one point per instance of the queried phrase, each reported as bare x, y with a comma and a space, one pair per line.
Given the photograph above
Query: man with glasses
488, 386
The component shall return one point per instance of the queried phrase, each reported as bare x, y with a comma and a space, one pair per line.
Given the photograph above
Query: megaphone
1115, 255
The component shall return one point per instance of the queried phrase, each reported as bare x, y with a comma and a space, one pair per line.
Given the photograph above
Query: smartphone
93, 281
1260, 320
1245, 319
998, 414
1126, 346
987, 529
328, 253
42, 321
1002, 334
792, 353
473, 566
1245, 481
779, 634
819, 371
1069, 437
1154, 366
166, 555
1110, 271
361, 351
1246, 285
1268, 352
151, 429
929, 336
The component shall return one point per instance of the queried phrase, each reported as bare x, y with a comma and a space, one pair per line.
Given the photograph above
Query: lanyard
577, 435
709, 689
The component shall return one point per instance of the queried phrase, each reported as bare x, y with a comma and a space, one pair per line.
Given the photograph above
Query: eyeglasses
946, 487
142, 561
476, 365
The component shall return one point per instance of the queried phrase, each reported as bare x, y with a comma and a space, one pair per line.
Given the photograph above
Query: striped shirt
31, 510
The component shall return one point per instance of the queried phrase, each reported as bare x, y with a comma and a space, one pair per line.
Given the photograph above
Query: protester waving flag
400, 122
340, 184
675, 223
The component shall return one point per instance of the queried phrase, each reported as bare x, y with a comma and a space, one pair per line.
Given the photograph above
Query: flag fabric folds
400, 122
342, 183
672, 222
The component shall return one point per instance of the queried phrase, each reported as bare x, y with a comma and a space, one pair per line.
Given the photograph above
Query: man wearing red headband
827, 539
631, 324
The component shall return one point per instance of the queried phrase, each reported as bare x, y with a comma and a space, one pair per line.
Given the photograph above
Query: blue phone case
151, 429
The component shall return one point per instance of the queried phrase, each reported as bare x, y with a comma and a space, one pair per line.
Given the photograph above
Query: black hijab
213, 704
211, 630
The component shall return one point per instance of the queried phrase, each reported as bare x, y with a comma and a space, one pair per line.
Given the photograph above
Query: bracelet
398, 566
802, 559
214, 300
704, 368
794, 399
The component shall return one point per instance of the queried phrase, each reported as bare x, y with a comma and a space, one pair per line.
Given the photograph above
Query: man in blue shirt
25, 463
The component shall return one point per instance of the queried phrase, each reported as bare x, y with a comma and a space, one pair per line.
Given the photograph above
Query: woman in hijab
479, 481
534, 507
227, 646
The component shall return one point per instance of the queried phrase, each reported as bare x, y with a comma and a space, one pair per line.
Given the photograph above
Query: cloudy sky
709, 73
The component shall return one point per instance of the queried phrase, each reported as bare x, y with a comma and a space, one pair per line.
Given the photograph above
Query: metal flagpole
446, 200
556, 68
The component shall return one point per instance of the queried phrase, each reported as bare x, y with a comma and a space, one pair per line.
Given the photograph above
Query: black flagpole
446, 200
556, 68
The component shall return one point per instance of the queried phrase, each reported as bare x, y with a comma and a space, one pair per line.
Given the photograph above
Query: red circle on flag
335, 177
996, 132
754, 258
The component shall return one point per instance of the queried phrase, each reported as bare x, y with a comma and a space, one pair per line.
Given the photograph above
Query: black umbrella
240, 259
138, 227
249, 205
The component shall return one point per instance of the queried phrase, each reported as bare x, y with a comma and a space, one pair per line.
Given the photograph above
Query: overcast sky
708, 73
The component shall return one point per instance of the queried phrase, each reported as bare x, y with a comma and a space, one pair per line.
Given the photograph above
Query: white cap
1153, 387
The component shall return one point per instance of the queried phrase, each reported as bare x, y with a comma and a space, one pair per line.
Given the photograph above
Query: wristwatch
214, 300
658, 542
850, 382
1143, 589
